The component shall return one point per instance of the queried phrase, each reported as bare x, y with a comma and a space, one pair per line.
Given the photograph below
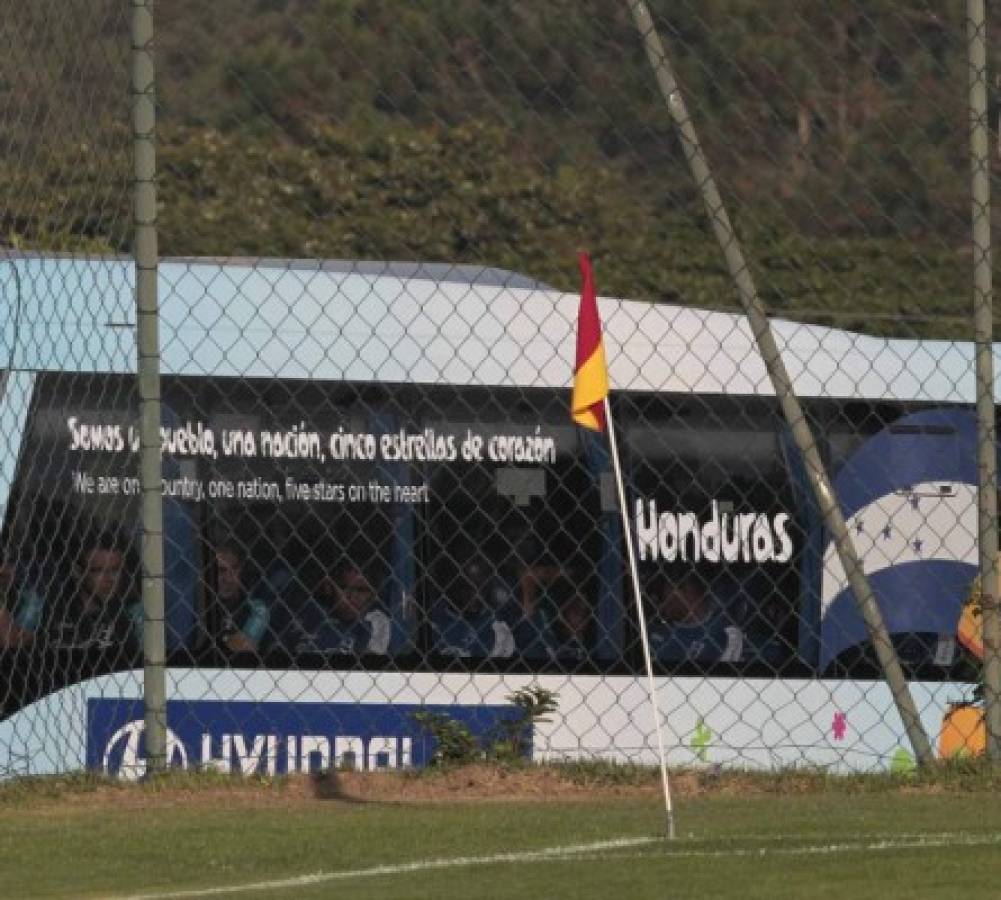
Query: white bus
400, 433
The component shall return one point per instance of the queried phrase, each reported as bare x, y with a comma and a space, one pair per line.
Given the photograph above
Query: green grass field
741, 838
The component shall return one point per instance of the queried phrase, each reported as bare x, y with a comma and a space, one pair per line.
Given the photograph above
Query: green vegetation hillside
511, 132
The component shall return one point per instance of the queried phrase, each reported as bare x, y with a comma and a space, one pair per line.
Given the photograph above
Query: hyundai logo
131, 764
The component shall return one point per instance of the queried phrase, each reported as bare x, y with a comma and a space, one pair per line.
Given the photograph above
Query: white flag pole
634, 577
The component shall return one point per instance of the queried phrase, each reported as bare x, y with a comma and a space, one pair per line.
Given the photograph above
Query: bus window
513, 548
70, 556
308, 527
717, 530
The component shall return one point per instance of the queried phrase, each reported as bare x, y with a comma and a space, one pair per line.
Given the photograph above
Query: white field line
942, 840
598, 851
420, 865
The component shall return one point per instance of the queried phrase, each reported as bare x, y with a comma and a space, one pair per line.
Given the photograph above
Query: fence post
148, 349
983, 302
781, 383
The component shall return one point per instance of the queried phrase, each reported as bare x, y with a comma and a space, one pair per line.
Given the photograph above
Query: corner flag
590, 379
590, 407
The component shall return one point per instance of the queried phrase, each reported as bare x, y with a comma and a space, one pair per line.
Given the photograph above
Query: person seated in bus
342, 616
283, 589
570, 631
102, 610
237, 619
556, 625
927, 649
917, 651
686, 622
535, 580
770, 630
21, 607
536, 603
475, 614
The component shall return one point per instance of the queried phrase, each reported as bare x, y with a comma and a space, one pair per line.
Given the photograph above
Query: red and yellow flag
590, 379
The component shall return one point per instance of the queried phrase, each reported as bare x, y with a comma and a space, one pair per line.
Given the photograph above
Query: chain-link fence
379, 520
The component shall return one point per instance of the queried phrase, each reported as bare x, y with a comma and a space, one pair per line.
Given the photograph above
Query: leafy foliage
512, 133
454, 742
507, 744
534, 704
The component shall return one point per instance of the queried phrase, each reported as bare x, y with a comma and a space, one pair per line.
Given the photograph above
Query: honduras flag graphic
909, 498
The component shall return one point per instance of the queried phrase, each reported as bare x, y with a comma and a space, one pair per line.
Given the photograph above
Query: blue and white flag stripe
930, 521
909, 499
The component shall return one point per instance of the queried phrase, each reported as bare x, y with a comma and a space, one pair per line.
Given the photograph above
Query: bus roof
430, 323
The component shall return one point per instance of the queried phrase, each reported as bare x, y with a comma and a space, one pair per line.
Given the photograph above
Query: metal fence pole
781, 382
987, 522
148, 346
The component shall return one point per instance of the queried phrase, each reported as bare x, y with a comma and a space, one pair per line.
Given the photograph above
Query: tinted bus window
719, 532
309, 526
515, 550
70, 562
